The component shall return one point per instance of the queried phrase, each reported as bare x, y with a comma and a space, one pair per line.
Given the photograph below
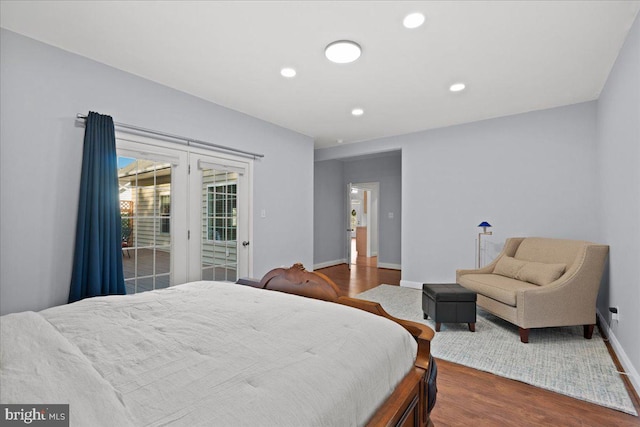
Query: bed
215, 353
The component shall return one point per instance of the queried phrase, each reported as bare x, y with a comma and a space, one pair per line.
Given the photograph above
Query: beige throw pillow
508, 267
537, 273
540, 273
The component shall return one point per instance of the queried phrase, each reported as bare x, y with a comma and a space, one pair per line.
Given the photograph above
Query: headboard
296, 280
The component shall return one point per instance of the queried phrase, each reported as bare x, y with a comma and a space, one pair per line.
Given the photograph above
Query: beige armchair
540, 282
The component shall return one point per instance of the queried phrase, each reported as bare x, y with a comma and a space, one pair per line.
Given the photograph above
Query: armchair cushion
538, 273
499, 288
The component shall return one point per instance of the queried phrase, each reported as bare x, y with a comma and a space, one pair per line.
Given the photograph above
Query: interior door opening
362, 236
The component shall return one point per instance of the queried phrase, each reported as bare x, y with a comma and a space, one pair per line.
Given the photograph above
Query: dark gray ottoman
449, 303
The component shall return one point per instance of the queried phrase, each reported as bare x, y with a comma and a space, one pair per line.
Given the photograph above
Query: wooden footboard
407, 405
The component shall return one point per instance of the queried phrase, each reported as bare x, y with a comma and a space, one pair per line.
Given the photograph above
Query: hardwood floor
468, 397
360, 278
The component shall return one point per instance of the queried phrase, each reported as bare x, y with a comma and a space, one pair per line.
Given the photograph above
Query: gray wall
527, 175
331, 219
329, 246
41, 149
530, 174
619, 179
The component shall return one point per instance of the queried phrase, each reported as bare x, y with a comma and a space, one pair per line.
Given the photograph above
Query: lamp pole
484, 225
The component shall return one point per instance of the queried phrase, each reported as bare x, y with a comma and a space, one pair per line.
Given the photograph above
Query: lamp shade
484, 224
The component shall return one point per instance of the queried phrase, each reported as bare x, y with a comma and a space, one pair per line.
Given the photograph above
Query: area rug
557, 359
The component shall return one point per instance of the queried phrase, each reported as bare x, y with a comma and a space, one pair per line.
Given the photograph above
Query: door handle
349, 229
245, 243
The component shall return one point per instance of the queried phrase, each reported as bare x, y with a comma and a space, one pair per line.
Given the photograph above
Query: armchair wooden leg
524, 335
438, 326
588, 331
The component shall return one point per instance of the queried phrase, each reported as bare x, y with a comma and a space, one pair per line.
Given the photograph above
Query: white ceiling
514, 56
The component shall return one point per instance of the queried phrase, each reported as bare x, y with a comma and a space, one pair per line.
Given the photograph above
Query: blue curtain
97, 262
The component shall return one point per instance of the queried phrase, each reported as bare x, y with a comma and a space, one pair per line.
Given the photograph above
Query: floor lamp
484, 225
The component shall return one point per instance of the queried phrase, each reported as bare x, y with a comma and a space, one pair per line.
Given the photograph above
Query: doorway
362, 235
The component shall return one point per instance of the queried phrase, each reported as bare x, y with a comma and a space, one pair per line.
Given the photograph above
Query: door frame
373, 207
244, 268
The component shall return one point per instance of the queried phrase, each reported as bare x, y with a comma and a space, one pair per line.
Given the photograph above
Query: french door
219, 218
185, 214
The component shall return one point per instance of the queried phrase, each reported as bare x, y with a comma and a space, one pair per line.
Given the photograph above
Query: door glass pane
219, 225
145, 208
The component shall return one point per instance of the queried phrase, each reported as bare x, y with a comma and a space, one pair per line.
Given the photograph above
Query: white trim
329, 263
373, 220
141, 152
410, 284
389, 266
202, 164
632, 374
249, 181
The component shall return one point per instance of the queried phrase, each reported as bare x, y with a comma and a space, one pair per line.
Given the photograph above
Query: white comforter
204, 353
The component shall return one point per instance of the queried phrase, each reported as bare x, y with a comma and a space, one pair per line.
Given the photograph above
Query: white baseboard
631, 371
389, 266
410, 284
329, 263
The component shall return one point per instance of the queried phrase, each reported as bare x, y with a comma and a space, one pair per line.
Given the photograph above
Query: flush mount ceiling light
457, 87
357, 111
413, 20
288, 72
343, 51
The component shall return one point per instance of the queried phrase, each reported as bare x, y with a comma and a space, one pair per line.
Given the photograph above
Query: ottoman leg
472, 326
437, 326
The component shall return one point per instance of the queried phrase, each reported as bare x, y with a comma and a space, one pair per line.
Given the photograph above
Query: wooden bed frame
407, 405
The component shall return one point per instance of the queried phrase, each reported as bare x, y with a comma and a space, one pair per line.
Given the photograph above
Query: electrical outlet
615, 314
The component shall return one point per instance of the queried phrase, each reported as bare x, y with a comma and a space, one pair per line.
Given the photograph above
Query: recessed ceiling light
413, 20
339, 141
357, 111
457, 87
288, 72
343, 51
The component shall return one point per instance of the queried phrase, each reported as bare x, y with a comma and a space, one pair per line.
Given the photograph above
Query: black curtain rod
185, 140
